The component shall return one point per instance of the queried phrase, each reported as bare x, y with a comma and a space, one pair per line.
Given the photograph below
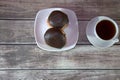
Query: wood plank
60, 75
22, 32
81, 57
85, 9
15, 31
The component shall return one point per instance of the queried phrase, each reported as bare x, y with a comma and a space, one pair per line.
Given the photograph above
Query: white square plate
41, 26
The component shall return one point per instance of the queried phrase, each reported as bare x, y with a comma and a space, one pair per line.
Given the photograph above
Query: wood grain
60, 75
15, 31
81, 57
85, 9
22, 32
21, 59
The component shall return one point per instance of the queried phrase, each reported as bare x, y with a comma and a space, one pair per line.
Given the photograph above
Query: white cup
95, 39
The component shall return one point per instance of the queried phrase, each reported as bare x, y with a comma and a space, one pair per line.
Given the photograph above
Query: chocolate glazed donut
55, 36
58, 19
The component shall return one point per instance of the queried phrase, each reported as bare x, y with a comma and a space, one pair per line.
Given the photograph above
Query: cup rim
102, 18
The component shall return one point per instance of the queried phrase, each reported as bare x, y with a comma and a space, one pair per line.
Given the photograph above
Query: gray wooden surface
85, 9
21, 59
60, 75
81, 57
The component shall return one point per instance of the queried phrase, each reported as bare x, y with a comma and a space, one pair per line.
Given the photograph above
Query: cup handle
116, 40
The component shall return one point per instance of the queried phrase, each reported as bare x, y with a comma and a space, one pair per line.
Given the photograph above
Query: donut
58, 19
54, 37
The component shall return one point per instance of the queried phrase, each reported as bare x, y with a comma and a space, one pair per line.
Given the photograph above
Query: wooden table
21, 59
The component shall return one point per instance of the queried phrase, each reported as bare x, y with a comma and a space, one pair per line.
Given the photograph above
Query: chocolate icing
55, 38
58, 19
